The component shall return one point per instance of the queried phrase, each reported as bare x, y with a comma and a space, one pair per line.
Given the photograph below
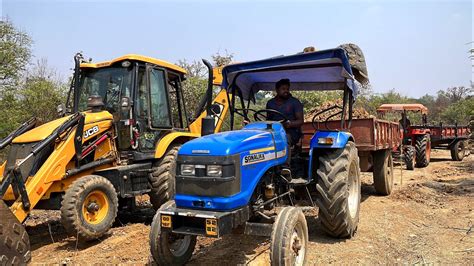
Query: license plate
211, 227
166, 221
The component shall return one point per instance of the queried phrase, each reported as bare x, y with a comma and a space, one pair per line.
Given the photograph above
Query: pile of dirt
358, 113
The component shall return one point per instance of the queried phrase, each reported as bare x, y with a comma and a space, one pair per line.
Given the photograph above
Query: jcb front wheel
168, 248
89, 207
339, 193
289, 238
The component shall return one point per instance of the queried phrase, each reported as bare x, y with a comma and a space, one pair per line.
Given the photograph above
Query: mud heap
357, 113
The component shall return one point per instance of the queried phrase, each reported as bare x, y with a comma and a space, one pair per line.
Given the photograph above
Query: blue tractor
249, 180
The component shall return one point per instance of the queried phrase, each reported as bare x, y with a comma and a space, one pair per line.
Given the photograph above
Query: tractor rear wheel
458, 150
168, 248
14, 240
409, 157
383, 172
338, 186
163, 178
89, 207
423, 150
289, 238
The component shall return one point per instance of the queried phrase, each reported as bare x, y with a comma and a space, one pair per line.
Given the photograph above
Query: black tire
14, 240
339, 192
163, 178
97, 193
409, 157
160, 247
423, 149
458, 150
383, 172
357, 61
289, 238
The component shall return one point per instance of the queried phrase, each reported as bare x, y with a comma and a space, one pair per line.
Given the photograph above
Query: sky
415, 47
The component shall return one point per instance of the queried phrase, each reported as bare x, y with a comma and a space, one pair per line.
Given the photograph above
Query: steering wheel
313, 121
259, 116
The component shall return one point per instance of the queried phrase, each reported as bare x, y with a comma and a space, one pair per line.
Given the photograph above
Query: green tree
15, 53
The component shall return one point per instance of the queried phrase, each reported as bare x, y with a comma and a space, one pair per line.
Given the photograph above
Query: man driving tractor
291, 107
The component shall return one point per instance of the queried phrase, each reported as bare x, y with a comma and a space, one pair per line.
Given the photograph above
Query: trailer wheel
338, 187
89, 207
289, 238
168, 248
162, 179
409, 157
14, 240
383, 172
423, 150
458, 150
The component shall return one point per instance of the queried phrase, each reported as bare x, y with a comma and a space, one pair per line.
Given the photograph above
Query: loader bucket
14, 241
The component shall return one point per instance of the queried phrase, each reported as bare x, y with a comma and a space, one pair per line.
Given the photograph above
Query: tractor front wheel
289, 238
162, 179
89, 207
383, 172
458, 150
423, 150
338, 186
168, 248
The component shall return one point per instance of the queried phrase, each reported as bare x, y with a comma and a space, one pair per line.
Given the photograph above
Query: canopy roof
415, 107
136, 57
321, 70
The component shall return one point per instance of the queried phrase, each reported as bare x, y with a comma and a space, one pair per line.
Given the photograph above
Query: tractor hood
228, 143
253, 138
41, 132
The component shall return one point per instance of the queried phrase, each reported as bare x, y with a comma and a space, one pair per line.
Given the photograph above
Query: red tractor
419, 139
416, 139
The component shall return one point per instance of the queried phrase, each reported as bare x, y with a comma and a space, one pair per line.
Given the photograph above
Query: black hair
282, 82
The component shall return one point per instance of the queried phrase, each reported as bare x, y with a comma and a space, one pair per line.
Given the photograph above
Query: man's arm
299, 115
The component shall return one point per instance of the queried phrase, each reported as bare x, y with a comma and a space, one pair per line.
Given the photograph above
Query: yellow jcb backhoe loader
120, 131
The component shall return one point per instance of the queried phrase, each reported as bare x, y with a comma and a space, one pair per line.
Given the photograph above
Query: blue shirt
289, 108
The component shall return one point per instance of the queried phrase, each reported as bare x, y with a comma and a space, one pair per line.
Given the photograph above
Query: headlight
214, 170
188, 169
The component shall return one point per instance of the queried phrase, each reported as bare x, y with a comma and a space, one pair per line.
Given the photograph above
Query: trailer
375, 140
452, 137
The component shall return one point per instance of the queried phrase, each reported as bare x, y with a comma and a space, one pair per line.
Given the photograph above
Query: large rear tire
383, 172
289, 238
338, 186
409, 157
423, 150
14, 240
163, 178
458, 150
168, 248
89, 207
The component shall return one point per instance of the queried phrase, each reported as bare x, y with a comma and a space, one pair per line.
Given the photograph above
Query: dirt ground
428, 219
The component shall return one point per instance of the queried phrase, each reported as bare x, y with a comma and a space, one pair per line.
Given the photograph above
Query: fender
340, 140
166, 141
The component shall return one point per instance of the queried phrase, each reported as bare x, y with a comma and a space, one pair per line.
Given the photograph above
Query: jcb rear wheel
289, 238
162, 179
338, 186
14, 241
383, 172
89, 207
168, 248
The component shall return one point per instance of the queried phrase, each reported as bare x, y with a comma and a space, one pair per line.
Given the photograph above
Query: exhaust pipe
208, 125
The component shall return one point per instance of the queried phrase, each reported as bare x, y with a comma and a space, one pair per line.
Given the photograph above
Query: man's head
282, 88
